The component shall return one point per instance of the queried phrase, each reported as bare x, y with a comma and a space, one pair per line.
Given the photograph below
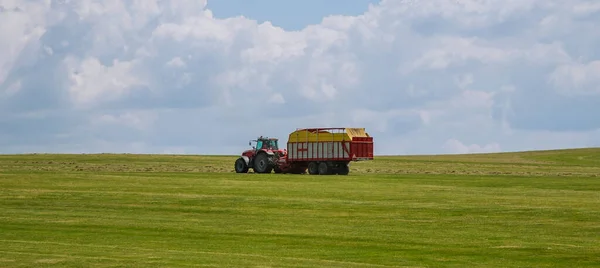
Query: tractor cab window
267, 144
273, 145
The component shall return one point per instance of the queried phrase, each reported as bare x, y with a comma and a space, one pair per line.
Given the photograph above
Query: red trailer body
326, 150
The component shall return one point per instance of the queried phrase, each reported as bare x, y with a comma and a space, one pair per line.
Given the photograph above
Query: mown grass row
580, 162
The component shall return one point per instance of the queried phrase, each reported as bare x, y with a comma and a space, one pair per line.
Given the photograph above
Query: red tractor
262, 158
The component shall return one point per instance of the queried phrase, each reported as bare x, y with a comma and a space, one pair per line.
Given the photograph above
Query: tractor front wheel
262, 164
240, 166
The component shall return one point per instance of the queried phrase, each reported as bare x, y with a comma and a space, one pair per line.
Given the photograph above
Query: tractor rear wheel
262, 164
241, 166
313, 168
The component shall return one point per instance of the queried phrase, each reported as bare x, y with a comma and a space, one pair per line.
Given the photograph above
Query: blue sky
290, 15
189, 76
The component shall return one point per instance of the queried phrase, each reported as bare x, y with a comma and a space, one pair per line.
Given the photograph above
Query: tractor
262, 158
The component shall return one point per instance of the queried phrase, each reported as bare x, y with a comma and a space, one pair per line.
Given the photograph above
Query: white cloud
454, 146
91, 82
586, 8
422, 76
577, 78
12, 89
23, 25
176, 62
272, 45
277, 98
140, 120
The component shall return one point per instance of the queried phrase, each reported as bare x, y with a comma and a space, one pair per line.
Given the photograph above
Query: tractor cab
264, 143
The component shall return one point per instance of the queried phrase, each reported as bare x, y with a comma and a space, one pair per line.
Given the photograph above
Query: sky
290, 15
198, 77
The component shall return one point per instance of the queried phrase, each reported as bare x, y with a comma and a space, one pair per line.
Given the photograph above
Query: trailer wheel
313, 168
262, 164
323, 169
240, 166
343, 169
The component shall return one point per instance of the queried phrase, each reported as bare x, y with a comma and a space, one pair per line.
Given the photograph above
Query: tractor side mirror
249, 143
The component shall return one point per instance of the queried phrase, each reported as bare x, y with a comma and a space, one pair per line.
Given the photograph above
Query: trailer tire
262, 163
324, 169
343, 169
313, 168
241, 166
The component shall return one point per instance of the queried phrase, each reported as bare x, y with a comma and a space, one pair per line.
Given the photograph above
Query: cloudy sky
187, 76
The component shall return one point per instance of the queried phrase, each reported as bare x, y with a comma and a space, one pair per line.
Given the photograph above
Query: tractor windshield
267, 144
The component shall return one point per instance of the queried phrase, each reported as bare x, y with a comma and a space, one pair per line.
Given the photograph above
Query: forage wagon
322, 151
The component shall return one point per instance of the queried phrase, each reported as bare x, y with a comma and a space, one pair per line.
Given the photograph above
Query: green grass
530, 209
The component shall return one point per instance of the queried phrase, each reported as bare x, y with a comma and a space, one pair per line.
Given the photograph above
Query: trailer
322, 151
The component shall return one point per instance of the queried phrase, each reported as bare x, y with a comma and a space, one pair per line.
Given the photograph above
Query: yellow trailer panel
326, 135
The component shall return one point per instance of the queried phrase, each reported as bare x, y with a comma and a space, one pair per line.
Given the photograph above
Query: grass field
531, 209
